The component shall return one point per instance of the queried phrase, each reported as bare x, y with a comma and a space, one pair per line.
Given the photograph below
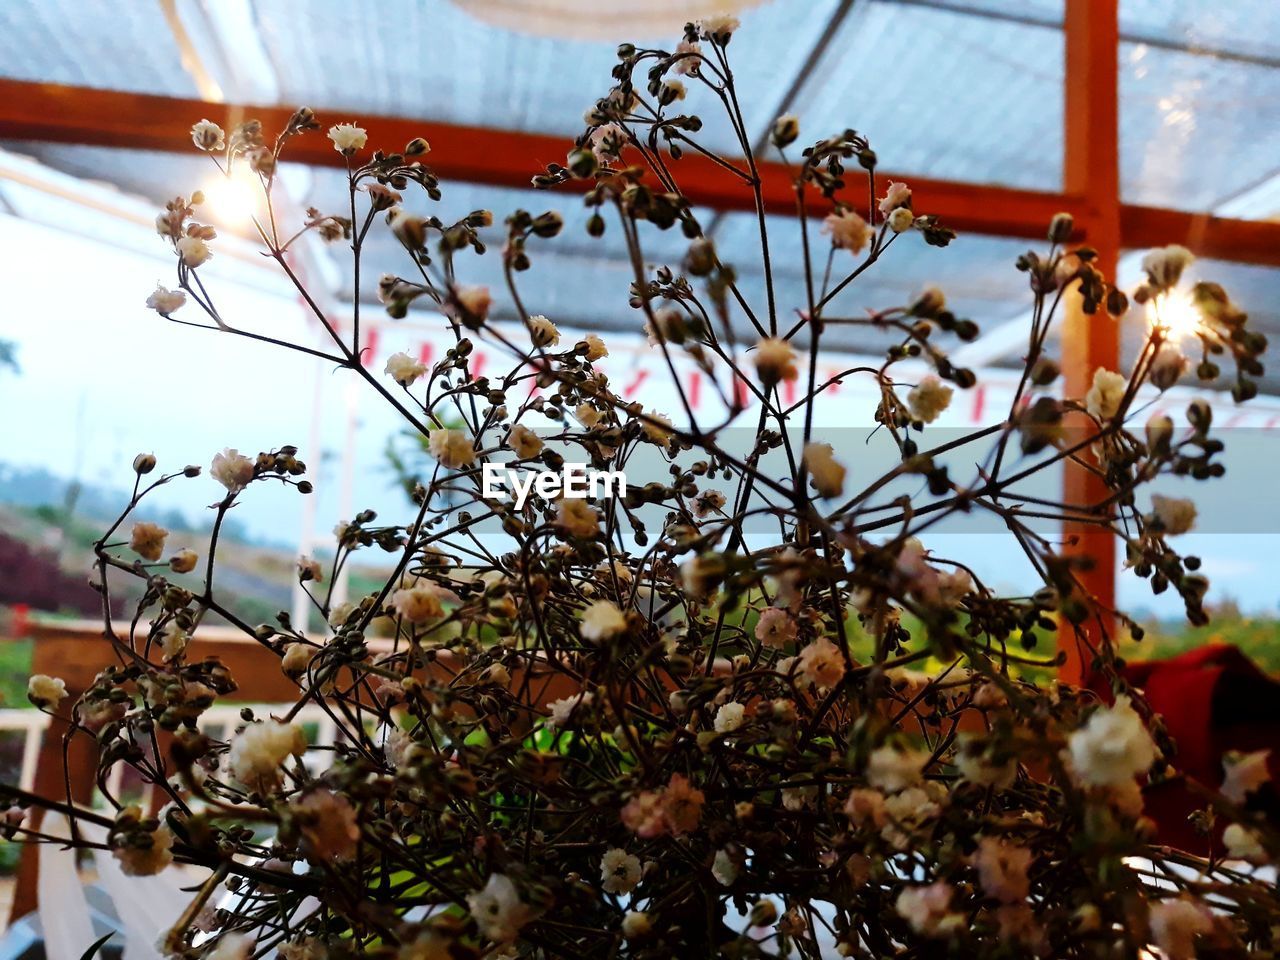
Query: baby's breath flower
146, 854
1112, 747
231, 469
260, 748
596, 349
403, 369
194, 251
45, 691
848, 231
897, 196
828, 473
928, 910
418, 603
1165, 265
891, 768
730, 717
347, 138
1244, 773
543, 332
452, 448
577, 518
776, 628
775, 361
147, 540
928, 399
1103, 398
602, 619
523, 442
619, 871
1174, 515
208, 136
821, 663
164, 301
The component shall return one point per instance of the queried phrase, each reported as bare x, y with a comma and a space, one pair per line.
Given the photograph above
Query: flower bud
144, 463
1159, 433
416, 147
1060, 227
785, 130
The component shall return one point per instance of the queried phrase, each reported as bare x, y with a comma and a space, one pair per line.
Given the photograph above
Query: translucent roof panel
430, 59
117, 46
1248, 28
944, 94
1197, 131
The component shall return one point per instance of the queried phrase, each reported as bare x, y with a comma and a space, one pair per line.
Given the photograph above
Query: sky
104, 378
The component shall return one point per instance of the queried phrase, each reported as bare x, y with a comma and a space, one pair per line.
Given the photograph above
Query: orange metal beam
83, 115
1091, 169
64, 114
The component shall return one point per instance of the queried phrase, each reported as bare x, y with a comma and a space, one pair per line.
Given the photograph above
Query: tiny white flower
260, 748
659, 430
347, 138
1164, 266
45, 691
194, 251
1175, 514
928, 909
208, 136
524, 442
296, 658
543, 332
619, 871
1103, 398
1112, 747
403, 369
452, 448
147, 540
1245, 773
928, 399
775, 361
418, 603
896, 197
890, 769
848, 231
231, 469
164, 301
1243, 844
146, 861
720, 26
821, 663
310, 569
724, 868
828, 473
596, 349
577, 518
173, 641
562, 710
602, 620
730, 717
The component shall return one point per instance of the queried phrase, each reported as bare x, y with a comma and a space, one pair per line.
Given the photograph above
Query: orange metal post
1092, 171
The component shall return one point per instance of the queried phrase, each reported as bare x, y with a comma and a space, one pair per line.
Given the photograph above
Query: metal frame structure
1091, 192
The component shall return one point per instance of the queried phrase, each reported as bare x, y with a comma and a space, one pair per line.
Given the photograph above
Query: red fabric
1213, 700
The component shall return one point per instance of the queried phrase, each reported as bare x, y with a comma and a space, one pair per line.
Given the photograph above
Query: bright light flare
1176, 313
233, 200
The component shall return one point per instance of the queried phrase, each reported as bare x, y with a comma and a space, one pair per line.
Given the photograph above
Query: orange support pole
1091, 169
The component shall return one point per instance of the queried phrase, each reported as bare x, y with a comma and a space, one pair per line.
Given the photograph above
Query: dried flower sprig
635, 728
